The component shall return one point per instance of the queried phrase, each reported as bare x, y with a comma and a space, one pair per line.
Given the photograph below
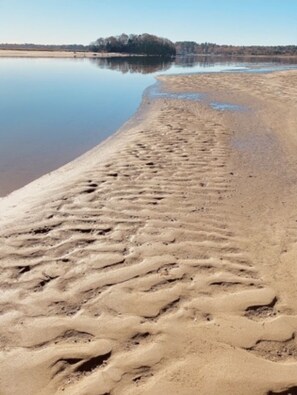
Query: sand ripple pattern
137, 278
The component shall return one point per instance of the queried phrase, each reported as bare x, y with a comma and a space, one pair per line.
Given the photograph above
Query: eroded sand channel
166, 265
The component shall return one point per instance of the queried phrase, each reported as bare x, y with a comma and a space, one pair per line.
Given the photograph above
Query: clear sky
243, 22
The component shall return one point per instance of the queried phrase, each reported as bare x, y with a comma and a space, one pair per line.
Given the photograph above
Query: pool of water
227, 106
53, 110
155, 92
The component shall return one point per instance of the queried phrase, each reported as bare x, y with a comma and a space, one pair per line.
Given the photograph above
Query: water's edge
43, 187
19, 201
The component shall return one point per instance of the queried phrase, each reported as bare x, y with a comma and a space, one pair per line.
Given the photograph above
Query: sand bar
163, 261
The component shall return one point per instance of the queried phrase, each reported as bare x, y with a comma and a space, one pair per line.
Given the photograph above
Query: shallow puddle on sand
221, 106
156, 92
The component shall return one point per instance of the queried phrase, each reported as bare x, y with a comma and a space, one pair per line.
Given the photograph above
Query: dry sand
165, 260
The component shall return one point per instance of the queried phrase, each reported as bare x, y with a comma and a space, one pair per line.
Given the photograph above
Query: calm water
53, 110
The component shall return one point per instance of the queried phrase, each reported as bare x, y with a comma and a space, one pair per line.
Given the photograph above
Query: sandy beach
164, 260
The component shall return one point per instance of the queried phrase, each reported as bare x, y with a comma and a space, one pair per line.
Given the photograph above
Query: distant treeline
193, 48
41, 47
144, 44
148, 44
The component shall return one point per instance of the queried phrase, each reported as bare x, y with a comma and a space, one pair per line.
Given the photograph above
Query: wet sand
163, 261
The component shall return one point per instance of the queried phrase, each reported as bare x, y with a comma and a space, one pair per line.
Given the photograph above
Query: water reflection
140, 64
203, 61
153, 65
207, 61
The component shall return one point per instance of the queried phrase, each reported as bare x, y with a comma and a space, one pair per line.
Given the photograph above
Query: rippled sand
163, 261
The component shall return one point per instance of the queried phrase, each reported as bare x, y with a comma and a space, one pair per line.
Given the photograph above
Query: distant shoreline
24, 53
203, 55
21, 53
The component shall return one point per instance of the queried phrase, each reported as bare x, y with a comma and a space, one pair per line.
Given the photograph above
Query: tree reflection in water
154, 64
139, 64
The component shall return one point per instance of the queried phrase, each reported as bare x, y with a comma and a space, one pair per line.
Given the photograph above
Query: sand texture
164, 261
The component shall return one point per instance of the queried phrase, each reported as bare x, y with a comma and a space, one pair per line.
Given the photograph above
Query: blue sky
243, 22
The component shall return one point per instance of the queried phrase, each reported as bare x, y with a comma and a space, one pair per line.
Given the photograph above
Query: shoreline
42, 186
163, 260
23, 53
239, 56
7, 53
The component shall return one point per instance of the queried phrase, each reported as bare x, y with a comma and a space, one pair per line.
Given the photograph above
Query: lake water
53, 110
